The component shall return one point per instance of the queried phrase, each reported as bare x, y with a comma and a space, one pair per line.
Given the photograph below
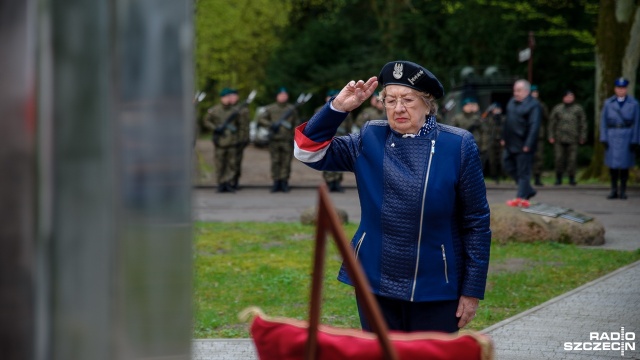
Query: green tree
335, 42
234, 39
617, 53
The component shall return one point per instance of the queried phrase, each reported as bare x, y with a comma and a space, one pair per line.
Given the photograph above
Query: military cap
468, 100
412, 75
621, 82
534, 87
332, 92
282, 89
226, 91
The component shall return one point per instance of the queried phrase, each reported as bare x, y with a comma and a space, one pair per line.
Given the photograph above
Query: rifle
302, 99
448, 106
217, 132
488, 111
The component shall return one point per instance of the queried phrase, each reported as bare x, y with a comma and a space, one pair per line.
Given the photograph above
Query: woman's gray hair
428, 99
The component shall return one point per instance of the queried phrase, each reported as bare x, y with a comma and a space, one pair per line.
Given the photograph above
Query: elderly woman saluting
424, 237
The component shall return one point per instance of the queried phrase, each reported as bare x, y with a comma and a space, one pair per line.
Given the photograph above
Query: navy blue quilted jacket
424, 232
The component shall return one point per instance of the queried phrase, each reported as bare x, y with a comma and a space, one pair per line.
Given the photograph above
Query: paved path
603, 306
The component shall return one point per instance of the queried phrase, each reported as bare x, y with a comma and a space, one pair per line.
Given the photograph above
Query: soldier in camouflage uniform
567, 129
493, 133
374, 112
334, 178
470, 120
538, 157
280, 118
244, 125
224, 121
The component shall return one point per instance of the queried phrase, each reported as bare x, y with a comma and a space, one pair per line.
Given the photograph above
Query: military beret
282, 89
332, 92
226, 91
534, 87
621, 82
567, 92
468, 100
412, 75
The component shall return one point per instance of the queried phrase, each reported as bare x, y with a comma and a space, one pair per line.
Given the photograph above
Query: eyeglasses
407, 102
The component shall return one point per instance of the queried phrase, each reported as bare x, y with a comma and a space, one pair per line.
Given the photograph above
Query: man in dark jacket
519, 138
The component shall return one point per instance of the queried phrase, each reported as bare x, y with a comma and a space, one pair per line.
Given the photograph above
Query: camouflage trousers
281, 155
566, 156
239, 156
538, 159
225, 162
329, 176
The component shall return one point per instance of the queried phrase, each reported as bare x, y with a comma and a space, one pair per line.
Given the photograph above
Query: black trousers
518, 166
623, 176
402, 315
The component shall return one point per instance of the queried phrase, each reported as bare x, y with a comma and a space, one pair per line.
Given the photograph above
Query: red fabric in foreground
285, 339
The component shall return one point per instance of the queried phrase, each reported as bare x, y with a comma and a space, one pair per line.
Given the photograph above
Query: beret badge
397, 71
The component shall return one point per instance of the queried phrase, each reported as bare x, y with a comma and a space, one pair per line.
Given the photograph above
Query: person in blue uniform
620, 135
424, 235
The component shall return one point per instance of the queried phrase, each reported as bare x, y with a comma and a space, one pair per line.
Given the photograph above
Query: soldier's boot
229, 188
572, 180
614, 190
331, 186
277, 186
284, 186
558, 179
221, 188
623, 190
338, 187
234, 183
537, 181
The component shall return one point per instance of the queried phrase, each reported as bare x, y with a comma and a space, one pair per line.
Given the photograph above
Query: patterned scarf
426, 128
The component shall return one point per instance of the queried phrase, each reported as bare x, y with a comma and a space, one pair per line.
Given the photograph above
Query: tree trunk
632, 53
613, 46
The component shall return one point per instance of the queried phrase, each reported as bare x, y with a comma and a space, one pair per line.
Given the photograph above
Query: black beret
412, 75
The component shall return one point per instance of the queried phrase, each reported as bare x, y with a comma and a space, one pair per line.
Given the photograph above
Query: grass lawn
268, 265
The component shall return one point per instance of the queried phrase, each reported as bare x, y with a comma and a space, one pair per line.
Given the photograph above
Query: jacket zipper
424, 195
359, 244
444, 259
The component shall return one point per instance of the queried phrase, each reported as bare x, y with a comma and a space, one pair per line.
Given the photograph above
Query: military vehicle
487, 85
